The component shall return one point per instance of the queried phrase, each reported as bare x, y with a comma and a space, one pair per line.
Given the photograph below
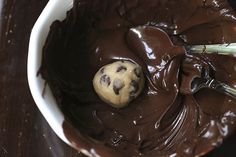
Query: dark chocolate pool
161, 121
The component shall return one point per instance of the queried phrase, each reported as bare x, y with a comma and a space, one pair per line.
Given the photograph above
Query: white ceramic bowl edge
54, 10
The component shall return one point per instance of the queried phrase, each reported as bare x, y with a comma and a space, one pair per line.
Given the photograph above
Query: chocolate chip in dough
134, 87
117, 86
102, 70
137, 72
105, 80
121, 69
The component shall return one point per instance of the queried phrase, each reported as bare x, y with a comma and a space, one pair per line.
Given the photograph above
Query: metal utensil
225, 49
199, 83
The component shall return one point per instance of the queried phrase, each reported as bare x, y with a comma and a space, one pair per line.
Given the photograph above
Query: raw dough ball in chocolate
119, 83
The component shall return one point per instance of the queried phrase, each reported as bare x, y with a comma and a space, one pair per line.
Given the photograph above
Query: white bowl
54, 10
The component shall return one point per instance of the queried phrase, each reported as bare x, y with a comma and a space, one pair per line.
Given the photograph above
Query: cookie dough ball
119, 83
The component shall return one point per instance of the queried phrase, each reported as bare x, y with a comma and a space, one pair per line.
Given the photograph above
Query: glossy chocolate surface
162, 121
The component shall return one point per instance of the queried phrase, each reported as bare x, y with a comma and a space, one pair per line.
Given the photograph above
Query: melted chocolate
162, 121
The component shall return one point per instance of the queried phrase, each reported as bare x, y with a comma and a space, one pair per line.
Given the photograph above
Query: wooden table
23, 130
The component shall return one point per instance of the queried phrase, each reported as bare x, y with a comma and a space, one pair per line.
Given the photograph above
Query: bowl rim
54, 10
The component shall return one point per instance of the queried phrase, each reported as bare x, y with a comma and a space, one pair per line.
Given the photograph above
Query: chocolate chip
105, 80
121, 69
137, 72
102, 70
134, 87
117, 86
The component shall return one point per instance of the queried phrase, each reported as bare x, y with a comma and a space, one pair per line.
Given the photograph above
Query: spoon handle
229, 91
222, 87
215, 48
220, 49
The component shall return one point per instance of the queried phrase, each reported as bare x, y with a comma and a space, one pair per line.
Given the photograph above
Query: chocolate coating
162, 121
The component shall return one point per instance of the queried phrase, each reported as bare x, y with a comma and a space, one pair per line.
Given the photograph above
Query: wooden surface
23, 130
